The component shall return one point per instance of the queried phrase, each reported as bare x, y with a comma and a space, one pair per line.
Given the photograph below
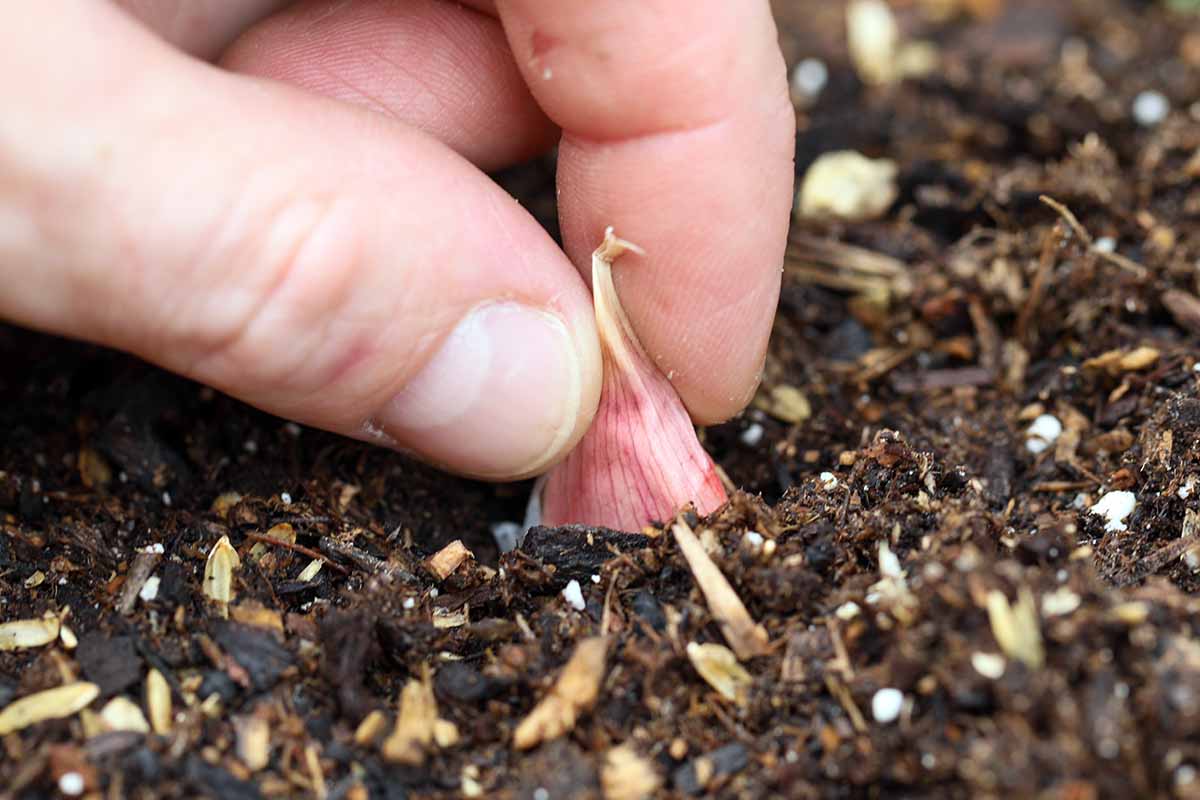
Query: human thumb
323, 263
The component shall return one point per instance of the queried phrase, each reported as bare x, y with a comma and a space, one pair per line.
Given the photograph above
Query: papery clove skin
640, 461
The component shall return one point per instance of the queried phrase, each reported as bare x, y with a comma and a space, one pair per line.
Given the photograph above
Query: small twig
1124, 262
833, 280
1062, 486
990, 345
1069, 218
141, 570
363, 560
747, 638
1119, 260
1153, 562
607, 617
1040, 279
299, 548
847, 256
842, 695
730, 725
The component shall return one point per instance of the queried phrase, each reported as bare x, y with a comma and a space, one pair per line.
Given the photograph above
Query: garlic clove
640, 461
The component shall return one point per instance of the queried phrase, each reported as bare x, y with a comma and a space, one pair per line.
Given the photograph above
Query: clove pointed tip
612, 247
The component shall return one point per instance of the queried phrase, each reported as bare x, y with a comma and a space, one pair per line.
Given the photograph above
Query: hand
305, 224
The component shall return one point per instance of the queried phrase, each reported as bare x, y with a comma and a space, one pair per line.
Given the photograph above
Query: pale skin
287, 201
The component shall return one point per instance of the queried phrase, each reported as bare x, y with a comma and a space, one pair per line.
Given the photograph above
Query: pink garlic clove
640, 461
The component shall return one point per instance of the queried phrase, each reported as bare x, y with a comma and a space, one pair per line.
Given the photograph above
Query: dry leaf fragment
417, 725
573, 693
628, 776
283, 532
56, 703
445, 561
719, 667
122, 714
22, 634
158, 702
218, 571
1016, 627
745, 637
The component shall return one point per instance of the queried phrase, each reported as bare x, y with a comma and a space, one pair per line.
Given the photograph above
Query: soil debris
573, 693
745, 637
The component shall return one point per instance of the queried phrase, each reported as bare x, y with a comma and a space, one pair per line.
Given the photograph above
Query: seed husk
56, 703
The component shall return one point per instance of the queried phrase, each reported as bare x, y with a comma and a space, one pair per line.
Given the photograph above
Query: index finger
679, 132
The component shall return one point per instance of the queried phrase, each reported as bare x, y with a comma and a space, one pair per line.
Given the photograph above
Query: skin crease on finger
202, 28
678, 131
435, 65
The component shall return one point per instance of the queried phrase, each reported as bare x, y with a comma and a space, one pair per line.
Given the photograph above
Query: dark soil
1037, 653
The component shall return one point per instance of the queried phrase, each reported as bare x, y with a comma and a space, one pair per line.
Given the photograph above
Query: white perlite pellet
1115, 507
573, 594
886, 705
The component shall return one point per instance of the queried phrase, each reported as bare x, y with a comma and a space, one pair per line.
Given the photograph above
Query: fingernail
500, 399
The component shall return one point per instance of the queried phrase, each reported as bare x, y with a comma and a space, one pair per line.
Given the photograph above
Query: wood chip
253, 741
310, 572
1016, 626
573, 693
22, 634
444, 618
257, 615
218, 571
67, 636
57, 703
719, 667
627, 775
1139, 358
1184, 307
449, 558
122, 714
93, 469
158, 702
139, 572
785, 403
224, 502
312, 760
418, 727
747, 638
1114, 362
370, 729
